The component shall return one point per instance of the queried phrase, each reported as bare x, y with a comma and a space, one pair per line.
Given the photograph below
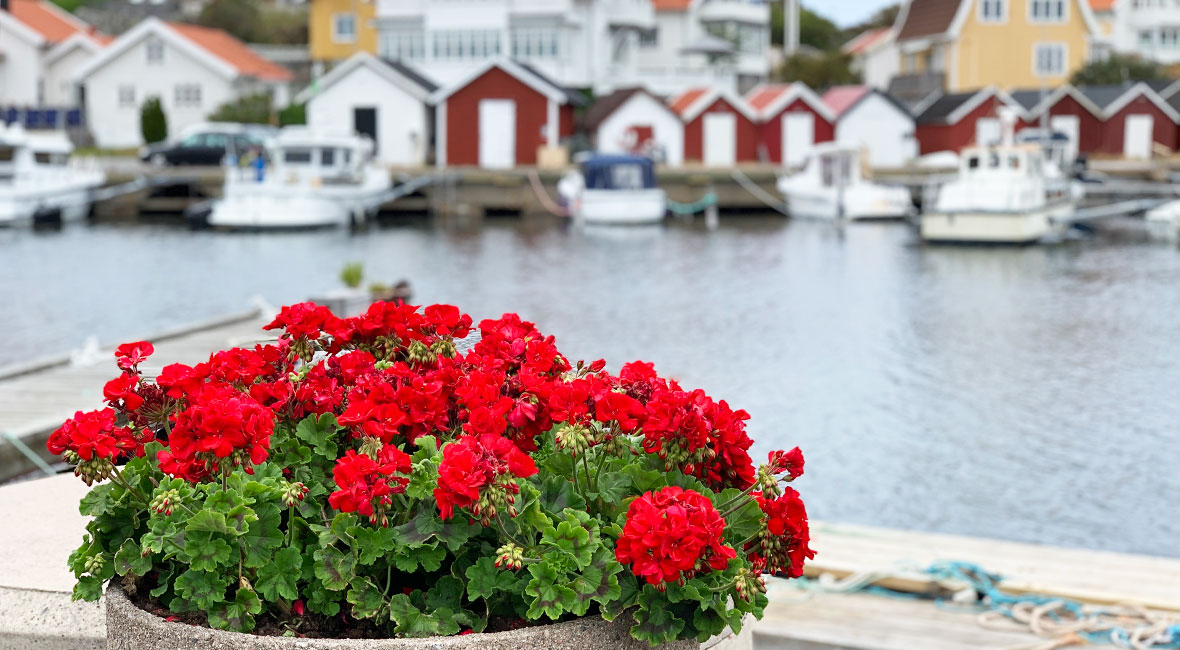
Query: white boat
615, 190
830, 185
40, 180
306, 179
1005, 193
1163, 222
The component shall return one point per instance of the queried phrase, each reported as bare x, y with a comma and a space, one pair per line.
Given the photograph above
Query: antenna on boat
1007, 125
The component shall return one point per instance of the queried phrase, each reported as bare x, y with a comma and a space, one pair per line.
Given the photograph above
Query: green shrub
153, 123
251, 109
352, 274
293, 114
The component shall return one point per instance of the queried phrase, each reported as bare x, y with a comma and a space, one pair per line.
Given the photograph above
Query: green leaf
429, 558
484, 579
318, 432
644, 479
548, 597
412, 622
210, 521
207, 553
131, 561
557, 494
237, 614
98, 501
334, 567
612, 486
743, 522
598, 582
239, 519
446, 592
577, 536
202, 588
279, 578
628, 596
321, 600
372, 543
88, 588
653, 622
367, 600
262, 536
427, 448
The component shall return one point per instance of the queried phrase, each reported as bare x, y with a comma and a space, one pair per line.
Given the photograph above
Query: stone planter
131, 628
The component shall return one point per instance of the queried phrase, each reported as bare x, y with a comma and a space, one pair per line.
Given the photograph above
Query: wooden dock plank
1091, 576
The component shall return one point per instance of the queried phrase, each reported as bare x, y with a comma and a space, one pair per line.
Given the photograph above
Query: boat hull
620, 207
261, 206
19, 206
994, 227
862, 201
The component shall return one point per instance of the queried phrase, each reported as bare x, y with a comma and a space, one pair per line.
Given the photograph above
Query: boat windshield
51, 159
835, 169
619, 173
7, 154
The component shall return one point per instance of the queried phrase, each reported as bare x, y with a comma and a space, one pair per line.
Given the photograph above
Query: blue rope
710, 198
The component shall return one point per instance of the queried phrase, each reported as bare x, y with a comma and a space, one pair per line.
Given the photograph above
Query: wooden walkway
36, 398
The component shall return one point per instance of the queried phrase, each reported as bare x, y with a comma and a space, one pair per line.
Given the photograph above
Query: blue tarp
618, 172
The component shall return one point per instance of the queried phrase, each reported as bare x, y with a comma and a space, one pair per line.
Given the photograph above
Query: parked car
206, 144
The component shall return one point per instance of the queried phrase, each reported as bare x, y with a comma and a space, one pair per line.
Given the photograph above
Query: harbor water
1020, 393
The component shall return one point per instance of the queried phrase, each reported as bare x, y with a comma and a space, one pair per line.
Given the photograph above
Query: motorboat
1004, 193
302, 179
41, 181
613, 189
831, 185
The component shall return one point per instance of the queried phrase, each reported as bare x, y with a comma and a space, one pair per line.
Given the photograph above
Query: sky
846, 12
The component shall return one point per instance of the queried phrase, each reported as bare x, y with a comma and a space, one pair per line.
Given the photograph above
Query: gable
639, 107
378, 71
926, 18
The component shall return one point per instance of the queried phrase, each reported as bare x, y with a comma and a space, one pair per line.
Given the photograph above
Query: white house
1147, 28
386, 100
40, 44
600, 44
875, 56
870, 119
192, 70
633, 120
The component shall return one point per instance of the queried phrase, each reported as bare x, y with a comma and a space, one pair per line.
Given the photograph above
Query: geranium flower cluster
782, 544
366, 485
220, 429
478, 472
671, 535
94, 443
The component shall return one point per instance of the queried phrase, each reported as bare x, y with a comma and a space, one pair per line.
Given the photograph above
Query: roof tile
685, 100
221, 44
51, 22
842, 98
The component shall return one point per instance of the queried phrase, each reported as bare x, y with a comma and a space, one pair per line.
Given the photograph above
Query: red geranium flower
672, 534
122, 389
223, 427
621, 408
179, 380
480, 465
366, 484
303, 320
790, 462
129, 355
782, 547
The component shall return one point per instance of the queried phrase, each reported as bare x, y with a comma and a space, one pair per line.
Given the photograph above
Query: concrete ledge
48, 620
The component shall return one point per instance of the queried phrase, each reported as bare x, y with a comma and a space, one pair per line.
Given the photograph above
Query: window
536, 43
993, 11
649, 38
328, 157
155, 50
344, 27
126, 95
297, 156
403, 45
1046, 11
1146, 39
187, 95
1169, 38
1049, 59
465, 44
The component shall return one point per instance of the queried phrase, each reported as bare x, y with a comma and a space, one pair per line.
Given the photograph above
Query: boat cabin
301, 156
1015, 162
32, 155
833, 164
618, 172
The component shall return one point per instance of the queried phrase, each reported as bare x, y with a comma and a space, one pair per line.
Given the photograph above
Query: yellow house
338, 29
1003, 43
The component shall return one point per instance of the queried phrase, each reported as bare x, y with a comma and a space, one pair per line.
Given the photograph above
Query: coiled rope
1060, 622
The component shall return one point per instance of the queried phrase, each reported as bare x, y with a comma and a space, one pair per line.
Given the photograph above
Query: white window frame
1049, 21
187, 95
404, 45
1064, 48
1003, 18
1175, 40
154, 51
337, 37
126, 95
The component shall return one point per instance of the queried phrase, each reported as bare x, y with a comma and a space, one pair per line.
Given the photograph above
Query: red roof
763, 96
1102, 5
685, 100
863, 41
51, 22
670, 5
842, 98
221, 44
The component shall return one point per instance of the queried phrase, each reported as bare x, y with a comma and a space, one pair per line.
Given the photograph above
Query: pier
832, 610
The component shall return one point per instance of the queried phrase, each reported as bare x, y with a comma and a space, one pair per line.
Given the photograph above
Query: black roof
1104, 96
1174, 101
607, 104
942, 107
1027, 98
572, 95
412, 74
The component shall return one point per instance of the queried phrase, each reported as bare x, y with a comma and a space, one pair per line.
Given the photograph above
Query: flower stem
734, 500
117, 477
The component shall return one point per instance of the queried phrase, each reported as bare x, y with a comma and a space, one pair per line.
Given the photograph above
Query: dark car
204, 146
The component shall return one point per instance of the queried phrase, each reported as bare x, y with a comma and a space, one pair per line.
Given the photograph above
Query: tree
818, 70
1117, 69
293, 114
251, 109
153, 123
814, 30
241, 18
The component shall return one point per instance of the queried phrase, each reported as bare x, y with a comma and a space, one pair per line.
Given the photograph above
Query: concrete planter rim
130, 627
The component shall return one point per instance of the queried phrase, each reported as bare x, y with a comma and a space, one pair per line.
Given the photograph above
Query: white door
1069, 125
1137, 136
720, 139
497, 133
798, 137
987, 131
